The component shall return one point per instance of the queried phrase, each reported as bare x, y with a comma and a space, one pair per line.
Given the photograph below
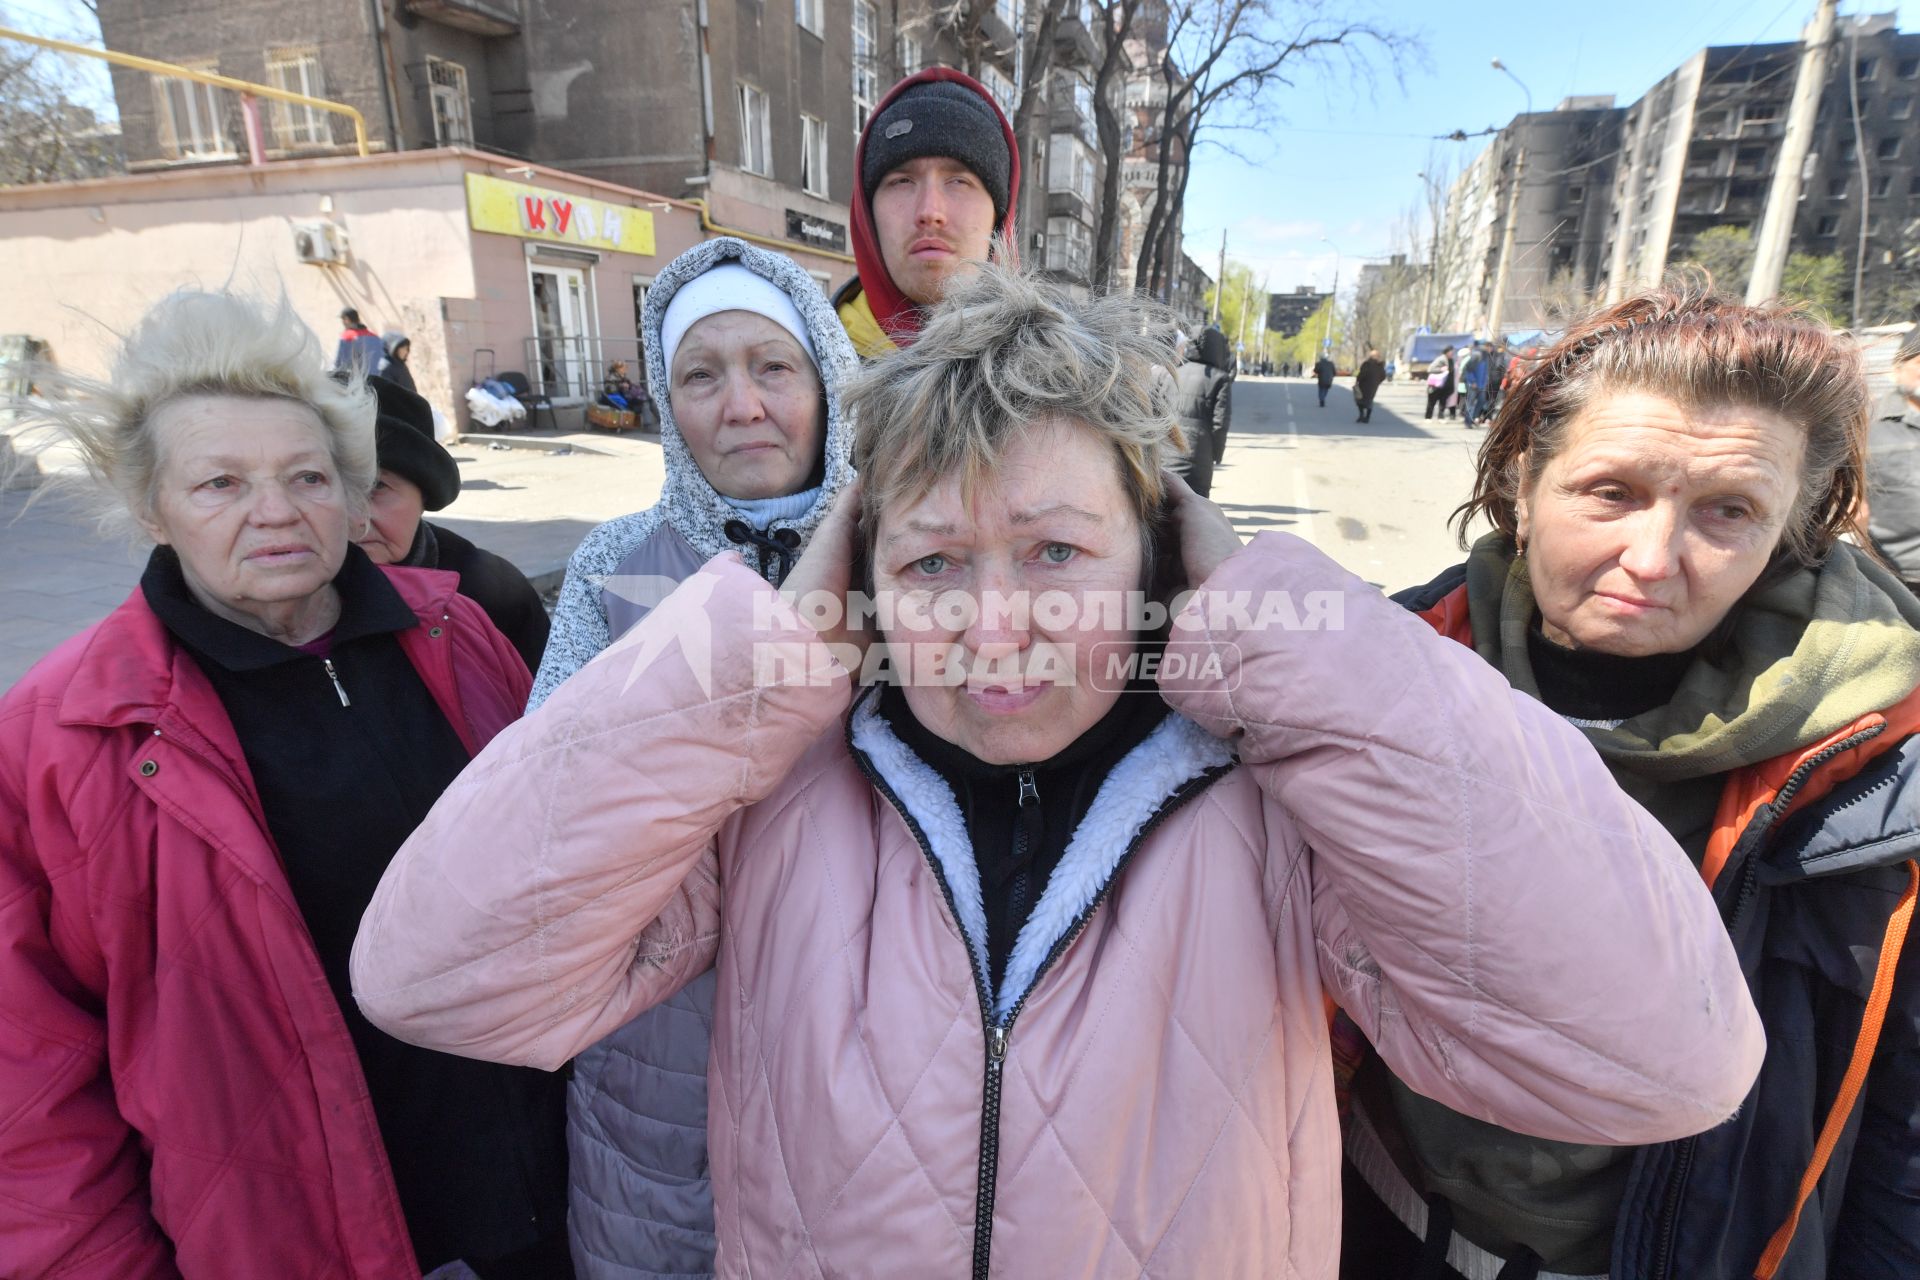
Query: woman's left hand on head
826, 568
1206, 535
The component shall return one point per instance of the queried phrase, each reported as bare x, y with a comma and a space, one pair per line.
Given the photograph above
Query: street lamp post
1499, 298
1333, 299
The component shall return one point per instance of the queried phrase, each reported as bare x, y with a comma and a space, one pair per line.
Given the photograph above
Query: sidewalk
58, 576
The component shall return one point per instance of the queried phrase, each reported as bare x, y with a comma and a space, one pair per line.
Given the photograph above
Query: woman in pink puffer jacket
1023, 961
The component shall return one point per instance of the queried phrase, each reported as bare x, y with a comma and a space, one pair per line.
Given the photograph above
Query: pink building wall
83, 261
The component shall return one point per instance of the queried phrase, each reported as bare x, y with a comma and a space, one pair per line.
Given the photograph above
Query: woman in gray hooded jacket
745, 359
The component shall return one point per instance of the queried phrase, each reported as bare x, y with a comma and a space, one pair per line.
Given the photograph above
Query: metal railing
245, 88
574, 369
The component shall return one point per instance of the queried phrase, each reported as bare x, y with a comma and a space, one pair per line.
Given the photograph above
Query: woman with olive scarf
1668, 492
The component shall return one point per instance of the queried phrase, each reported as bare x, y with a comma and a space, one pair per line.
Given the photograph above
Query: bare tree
1036, 66
965, 23
1114, 21
1222, 61
1444, 248
44, 135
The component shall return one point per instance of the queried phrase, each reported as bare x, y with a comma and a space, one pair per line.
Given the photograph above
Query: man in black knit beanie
939, 176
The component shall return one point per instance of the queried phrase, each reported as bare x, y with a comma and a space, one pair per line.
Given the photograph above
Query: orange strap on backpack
1856, 1077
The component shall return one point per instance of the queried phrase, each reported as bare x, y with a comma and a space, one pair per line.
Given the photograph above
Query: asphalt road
1376, 496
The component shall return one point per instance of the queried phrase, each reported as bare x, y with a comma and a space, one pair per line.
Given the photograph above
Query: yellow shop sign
511, 209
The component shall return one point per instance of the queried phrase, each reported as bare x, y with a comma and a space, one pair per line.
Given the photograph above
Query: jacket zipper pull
337, 686
997, 1044
1029, 793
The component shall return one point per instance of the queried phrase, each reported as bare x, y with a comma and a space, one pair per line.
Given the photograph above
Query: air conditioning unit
321, 243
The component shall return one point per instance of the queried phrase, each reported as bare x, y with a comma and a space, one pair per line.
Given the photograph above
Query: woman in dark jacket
417, 476
197, 797
1201, 398
1669, 490
1366, 384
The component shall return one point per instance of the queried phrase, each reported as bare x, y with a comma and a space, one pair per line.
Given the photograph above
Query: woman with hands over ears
1023, 953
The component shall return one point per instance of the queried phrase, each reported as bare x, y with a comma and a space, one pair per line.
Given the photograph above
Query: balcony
1070, 204
481, 17
1072, 42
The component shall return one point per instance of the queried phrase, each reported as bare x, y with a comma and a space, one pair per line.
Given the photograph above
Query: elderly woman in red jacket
197, 798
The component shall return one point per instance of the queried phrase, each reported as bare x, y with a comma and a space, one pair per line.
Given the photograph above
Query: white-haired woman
1022, 963
197, 797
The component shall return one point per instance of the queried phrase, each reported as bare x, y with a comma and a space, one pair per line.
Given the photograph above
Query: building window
866, 47
1913, 185
756, 130
813, 156
1069, 246
1836, 188
1909, 68
1848, 152
1882, 185
1829, 225
1000, 87
807, 16
909, 55
1746, 189
1070, 166
452, 108
1576, 195
1865, 67
1009, 11
294, 125
1762, 112
191, 118
1889, 149
1900, 107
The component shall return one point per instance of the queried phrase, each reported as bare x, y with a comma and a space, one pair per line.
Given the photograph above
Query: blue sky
1343, 162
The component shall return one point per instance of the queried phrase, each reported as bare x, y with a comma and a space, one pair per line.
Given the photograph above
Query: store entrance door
560, 331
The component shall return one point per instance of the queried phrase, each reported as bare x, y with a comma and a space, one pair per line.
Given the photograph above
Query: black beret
403, 433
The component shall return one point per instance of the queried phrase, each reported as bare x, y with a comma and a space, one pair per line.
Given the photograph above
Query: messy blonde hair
194, 343
1682, 341
1000, 355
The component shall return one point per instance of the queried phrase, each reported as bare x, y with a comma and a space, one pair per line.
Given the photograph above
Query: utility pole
1266, 280
1220, 281
1775, 237
1499, 298
1333, 299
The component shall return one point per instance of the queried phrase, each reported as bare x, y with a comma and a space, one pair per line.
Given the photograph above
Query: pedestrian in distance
962, 925
197, 797
360, 350
1499, 359
1473, 383
1439, 382
1893, 471
939, 175
1202, 395
1672, 567
393, 365
1366, 383
1323, 375
747, 365
418, 475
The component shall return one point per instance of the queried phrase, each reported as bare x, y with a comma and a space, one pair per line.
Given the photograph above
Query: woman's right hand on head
825, 570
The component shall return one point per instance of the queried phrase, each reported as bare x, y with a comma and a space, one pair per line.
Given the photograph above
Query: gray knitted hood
687, 500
